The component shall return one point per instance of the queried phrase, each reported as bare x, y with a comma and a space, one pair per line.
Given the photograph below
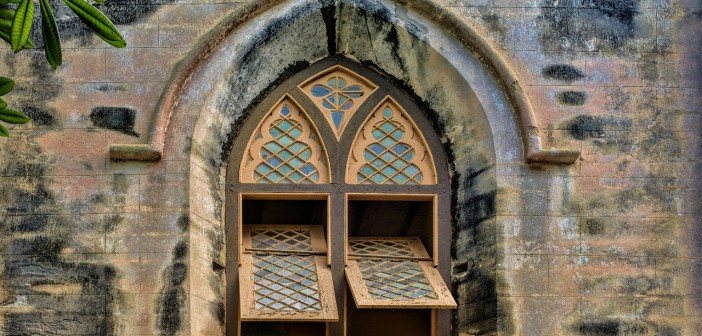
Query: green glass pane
263, 169
275, 132
378, 134
296, 147
273, 147
286, 140
285, 169
408, 156
400, 179
295, 133
274, 176
398, 134
388, 156
388, 127
411, 170
285, 125
378, 163
367, 170
389, 171
306, 154
296, 177
285, 155
388, 142
400, 165
378, 179
296, 162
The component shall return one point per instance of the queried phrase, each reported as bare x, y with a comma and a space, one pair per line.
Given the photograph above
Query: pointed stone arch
472, 98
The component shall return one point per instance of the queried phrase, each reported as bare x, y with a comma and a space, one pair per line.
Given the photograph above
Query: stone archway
476, 115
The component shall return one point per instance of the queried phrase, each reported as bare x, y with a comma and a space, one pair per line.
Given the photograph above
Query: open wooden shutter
284, 275
394, 273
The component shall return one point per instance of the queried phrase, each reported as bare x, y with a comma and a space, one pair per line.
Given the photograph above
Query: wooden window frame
337, 193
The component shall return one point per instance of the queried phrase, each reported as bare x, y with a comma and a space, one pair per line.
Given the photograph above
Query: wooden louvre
284, 274
387, 272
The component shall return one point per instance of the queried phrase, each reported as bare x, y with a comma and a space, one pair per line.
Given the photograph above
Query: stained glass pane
388, 155
338, 90
285, 149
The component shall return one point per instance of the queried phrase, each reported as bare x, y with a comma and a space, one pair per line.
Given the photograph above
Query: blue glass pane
307, 169
274, 162
354, 88
354, 95
376, 148
320, 91
342, 82
314, 177
274, 176
347, 105
368, 155
337, 117
342, 99
327, 105
332, 82
332, 99
377, 134
408, 156
285, 111
399, 149
387, 113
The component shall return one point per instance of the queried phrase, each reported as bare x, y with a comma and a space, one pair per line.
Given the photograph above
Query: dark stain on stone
329, 17
592, 226
26, 202
110, 88
220, 312
183, 222
173, 299
564, 72
586, 127
590, 25
611, 327
573, 98
30, 224
39, 116
493, 21
120, 119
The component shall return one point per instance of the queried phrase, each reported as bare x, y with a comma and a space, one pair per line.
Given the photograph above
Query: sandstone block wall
611, 245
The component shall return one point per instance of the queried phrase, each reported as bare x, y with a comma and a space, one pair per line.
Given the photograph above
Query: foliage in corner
16, 20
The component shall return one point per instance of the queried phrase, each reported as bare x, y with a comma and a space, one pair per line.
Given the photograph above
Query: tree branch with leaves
16, 21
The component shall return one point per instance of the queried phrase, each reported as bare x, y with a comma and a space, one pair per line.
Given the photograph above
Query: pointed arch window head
338, 93
389, 149
285, 148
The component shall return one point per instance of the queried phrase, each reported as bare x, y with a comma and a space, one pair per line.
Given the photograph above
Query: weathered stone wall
608, 246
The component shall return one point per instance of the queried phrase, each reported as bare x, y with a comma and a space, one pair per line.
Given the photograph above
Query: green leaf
5, 25
3, 103
7, 13
6, 85
97, 22
6, 36
13, 117
5, 2
22, 24
3, 131
49, 31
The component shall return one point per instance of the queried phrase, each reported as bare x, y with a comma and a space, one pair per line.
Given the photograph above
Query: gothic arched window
338, 208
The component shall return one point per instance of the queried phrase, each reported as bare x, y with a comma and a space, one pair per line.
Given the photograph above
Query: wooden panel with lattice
284, 275
394, 273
